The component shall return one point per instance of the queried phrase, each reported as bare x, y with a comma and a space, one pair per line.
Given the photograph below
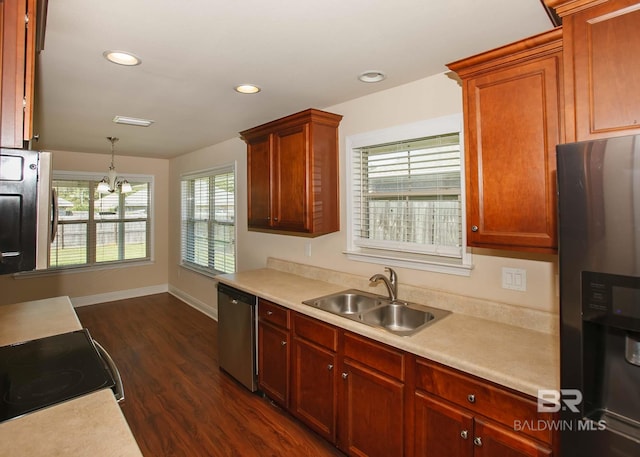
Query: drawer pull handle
283, 343
477, 441
471, 398
464, 434
330, 367
344, 375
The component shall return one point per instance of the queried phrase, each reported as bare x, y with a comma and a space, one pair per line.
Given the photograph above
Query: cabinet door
313, 390
291, 159
493, 440
513, 126
273, 362
441, 429
372, 412
259, 182
604, 68
18, 58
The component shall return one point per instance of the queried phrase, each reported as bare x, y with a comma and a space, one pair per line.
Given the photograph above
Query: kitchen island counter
518, 358
92, 424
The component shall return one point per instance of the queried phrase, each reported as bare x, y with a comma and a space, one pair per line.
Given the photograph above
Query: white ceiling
302, 53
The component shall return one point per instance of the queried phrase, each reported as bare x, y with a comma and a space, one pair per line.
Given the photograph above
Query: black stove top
40, 373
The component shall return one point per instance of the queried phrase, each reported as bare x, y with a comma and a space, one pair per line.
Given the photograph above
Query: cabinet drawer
483, 397
378, 356
270, 312
317, 332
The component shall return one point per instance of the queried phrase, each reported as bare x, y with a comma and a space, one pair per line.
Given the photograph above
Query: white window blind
208, 221
407, 196
95, 228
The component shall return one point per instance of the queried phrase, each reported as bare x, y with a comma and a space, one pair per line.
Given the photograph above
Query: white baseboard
194, 302
119, 295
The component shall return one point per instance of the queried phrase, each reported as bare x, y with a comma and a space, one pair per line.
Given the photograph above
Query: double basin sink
398, 317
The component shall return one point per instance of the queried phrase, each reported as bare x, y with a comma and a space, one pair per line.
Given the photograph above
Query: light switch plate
514, 279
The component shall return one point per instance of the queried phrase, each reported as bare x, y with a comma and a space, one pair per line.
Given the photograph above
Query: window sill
81, 269
460, 267
202, 271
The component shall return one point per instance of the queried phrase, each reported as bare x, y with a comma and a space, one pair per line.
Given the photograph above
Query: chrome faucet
391, 282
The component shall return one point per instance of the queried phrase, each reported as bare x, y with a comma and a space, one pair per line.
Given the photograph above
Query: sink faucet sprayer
391, 282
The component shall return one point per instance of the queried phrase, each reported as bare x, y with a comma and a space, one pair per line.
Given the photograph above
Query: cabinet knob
477, 441
330, 367
471, 398
474, 228
269, 313
283, 343
275, 219
268, 218
464, 434
344, 375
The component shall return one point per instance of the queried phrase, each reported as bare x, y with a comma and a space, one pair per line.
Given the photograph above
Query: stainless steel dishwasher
237, 317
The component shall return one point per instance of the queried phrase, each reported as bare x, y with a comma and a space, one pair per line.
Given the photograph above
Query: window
97, 229
406, 196
208, 221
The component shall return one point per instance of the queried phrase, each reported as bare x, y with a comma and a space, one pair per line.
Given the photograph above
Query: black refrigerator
27, 210
599, 266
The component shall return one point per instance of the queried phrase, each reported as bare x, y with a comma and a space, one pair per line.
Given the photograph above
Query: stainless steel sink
347, 302
400, 318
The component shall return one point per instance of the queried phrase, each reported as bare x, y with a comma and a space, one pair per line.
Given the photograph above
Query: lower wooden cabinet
273, 351
371, 399
372, 396
461, 416
372, 412
314, 375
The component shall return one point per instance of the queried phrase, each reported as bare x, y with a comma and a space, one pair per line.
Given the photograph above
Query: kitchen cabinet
18, 19
292, 174
602, 64
460, 416
273, 351
511, 99
315, 374
372, 395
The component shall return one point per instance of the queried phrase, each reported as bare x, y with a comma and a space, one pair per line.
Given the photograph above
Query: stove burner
42, 389
40, 373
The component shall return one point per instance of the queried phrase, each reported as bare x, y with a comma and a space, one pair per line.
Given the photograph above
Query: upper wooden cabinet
293, 174
602, 67
18, 19
513, 122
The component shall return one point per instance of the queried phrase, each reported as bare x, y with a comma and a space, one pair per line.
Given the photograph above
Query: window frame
421, 261
209, 172
94, 178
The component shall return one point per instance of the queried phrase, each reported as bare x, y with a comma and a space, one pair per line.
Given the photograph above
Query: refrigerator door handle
54, 215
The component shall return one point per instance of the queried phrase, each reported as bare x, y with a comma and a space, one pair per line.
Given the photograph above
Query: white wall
428, 98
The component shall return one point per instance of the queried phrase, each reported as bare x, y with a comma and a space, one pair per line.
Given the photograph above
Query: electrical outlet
514, 279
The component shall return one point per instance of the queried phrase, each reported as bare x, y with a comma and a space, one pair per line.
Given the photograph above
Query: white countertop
521, 359
91, 425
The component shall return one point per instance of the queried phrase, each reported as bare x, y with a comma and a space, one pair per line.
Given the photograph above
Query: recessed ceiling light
122, 58
132, 121
372, 76
247, 89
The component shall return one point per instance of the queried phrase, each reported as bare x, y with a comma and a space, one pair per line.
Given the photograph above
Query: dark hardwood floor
177, 401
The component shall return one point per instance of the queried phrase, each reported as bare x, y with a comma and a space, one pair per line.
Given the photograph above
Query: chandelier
111, 182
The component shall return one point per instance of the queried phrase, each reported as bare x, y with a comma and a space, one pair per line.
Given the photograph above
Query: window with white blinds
406, 194
208, 221
96, 229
